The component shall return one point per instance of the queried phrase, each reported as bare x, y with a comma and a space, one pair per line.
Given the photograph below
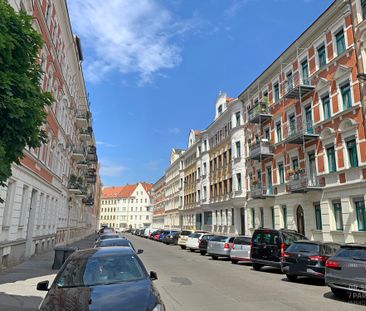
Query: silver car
240, 250
345, 272
219, 246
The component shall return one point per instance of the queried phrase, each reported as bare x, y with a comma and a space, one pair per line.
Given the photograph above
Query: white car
193, 241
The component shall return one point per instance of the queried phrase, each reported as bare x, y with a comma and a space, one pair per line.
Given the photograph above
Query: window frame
361, 223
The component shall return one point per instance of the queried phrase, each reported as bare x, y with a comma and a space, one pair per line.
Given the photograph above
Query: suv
268, 246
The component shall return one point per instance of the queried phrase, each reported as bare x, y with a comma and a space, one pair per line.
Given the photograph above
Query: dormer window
219, 110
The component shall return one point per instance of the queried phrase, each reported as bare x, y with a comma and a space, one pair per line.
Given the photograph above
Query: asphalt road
189, 282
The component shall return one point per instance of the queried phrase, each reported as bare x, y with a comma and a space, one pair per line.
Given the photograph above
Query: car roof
103, 251
355, 245
115, 239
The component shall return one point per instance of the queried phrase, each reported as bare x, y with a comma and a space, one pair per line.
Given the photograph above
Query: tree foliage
22, 101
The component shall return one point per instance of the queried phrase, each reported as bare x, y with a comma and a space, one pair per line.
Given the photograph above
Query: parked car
117, 242
193, 241
240, 249
104, 230
107, 236
90, 275
269, 245
182, 241
203, 243
157, 236
307, 258
345, 271
163, 234
171, 238
219, 246
154, 233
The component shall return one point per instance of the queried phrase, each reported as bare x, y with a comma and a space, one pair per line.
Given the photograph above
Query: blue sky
154, 68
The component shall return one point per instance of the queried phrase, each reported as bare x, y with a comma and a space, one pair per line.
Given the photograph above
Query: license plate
353, 272
297, 267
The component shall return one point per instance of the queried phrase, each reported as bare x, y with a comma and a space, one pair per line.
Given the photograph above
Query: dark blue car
165, 233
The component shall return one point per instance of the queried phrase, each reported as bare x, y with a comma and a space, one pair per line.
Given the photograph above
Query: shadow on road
306, 281
270, 270
18, 303
348, 299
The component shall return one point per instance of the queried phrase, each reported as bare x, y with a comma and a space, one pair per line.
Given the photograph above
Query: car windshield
185, 232
352, 253
104, 270
113, 242
303, 248
195, 235
109, 236
219, 238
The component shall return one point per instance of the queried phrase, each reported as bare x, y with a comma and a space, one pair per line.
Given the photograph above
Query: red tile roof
146, 186
229, 99
124, 191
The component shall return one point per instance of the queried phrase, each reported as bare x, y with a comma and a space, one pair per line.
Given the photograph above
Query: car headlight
158, 307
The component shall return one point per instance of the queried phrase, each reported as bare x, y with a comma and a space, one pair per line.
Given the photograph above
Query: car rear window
219, 238
242, 240
207, 237
265, 237
195, 235
185, 232
291, 237
303, 248
352, 252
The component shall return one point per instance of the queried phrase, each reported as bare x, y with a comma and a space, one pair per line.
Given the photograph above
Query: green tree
22, 102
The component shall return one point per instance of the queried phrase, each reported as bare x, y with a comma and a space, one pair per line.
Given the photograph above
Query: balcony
302, 182
75, 185
261, 150
84, 134
91, 177
83, 164
297, 132
259, 191
78, 153
259, 113
81, 119
92, 154
89, 200
298, 88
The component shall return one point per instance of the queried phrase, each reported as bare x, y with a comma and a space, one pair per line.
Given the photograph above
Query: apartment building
128, 206
51, 197
305, 135
159, 203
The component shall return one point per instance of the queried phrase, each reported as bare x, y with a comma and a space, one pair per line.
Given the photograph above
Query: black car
268, 246
203, 243
307, 258
111, 278
171, 238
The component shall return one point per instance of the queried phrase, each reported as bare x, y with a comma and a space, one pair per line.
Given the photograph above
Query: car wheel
256, 266
214, 257
183, 247
191, 250
291, 277
341, 293
234, 261
203, 253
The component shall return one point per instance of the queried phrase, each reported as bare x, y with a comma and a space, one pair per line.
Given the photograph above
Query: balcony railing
259, 191
82, 164
298, 87
92, 154
82, 119
91, 177
75, 184
89, 200
303, 182
259, 113
78, 153
297, 131
261, 150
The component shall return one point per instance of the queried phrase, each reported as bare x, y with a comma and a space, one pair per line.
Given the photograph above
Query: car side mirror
140, 251
43, 286
153, 275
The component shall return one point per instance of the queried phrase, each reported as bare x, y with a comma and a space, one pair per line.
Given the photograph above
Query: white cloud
175, 131
130, 36
109, 169
104, 144
234, 9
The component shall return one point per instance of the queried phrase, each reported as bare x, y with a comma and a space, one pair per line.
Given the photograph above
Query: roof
229, 99
97, 252
147, 186
118, 192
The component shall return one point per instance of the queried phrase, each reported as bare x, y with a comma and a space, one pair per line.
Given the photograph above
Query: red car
157, 236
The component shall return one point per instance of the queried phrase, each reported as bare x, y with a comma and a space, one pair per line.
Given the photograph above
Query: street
193, 282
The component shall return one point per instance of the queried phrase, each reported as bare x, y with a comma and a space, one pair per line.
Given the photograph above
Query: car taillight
282, 249
318, 258
233, 247
286, 255
226, 245
251, 248
333, 264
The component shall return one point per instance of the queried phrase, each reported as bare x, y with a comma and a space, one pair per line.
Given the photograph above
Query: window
219, 109
361, 216
305, 72
290, 84
238, 178
281, 173
266, 133
338, 215
352, 153
318, 217
262, 217
346, 96
238, 151
363, 8
279, 131
273, 217
326, 107
253, 217
332, 167
341, 44
276, 88
237, 118
232, 217
284, 215
322, 59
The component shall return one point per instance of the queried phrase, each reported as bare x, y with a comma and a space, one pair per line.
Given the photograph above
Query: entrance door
300, 220
242, 221
312, 170
30, 225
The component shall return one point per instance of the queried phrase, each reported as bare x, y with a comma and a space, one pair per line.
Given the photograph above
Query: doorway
30, 225
300, 220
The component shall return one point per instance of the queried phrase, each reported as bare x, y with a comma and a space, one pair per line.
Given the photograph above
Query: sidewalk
18, 284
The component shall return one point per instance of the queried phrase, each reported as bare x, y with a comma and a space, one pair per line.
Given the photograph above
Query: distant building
128, 206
